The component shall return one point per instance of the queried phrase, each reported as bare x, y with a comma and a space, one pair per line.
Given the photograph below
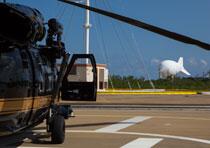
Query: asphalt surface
127, 128
149, 100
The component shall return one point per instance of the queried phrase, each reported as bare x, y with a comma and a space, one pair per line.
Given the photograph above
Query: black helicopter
31, 85
30, 82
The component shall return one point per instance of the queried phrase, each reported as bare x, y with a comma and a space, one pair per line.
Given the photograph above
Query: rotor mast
87, 30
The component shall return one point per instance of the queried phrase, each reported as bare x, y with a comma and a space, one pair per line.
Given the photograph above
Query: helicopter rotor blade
134, 22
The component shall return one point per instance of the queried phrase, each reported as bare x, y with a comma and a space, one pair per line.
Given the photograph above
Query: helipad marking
142, 143
138, 134
123, 124
141, 134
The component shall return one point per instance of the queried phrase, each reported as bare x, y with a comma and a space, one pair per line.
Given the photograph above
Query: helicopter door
80, 80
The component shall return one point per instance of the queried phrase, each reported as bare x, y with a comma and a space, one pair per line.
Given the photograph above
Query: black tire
58, 129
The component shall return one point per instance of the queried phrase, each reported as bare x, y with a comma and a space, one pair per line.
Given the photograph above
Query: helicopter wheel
58, 129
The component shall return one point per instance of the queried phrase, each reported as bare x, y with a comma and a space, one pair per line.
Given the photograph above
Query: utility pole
87, 30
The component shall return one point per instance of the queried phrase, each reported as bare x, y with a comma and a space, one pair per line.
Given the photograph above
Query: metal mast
87, 30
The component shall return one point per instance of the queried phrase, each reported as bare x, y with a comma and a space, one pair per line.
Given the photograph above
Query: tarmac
130, 128
131, 99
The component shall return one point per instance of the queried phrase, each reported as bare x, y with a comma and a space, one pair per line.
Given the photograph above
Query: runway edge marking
142, 143
123, 124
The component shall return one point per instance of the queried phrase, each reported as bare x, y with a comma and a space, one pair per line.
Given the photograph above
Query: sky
128, 50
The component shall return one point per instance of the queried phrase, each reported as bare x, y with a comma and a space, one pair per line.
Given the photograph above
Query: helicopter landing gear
58, 129
56, 122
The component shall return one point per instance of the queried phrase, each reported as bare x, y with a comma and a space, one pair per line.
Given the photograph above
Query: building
83, 73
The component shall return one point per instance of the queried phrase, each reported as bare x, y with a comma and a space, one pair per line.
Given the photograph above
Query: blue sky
127, 49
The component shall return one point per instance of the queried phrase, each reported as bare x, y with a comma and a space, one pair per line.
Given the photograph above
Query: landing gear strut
56, 122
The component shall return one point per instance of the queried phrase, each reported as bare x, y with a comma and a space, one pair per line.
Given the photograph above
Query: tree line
131, 82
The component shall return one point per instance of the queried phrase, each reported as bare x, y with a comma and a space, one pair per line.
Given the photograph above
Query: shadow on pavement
27, 137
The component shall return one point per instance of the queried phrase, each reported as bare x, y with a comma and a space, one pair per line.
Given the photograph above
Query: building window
101, 85
101, 74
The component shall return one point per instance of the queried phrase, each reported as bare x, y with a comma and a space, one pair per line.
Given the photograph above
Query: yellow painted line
150, 93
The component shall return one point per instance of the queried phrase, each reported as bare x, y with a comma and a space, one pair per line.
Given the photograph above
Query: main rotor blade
134, 22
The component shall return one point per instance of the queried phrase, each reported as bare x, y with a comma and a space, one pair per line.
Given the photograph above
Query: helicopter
30, 82
31, 85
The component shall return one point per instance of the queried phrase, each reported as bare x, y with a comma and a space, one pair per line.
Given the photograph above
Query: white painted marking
123, 124
142, 143
143, 134
138, 134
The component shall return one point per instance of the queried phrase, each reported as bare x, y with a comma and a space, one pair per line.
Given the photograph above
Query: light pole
87, 30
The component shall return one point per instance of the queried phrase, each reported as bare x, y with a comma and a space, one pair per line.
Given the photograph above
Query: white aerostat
169, 68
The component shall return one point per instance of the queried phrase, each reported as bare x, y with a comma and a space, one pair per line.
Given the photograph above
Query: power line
101, 42
135, 46
138, 52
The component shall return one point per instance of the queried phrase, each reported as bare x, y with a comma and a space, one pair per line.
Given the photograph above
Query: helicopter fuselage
27, 80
